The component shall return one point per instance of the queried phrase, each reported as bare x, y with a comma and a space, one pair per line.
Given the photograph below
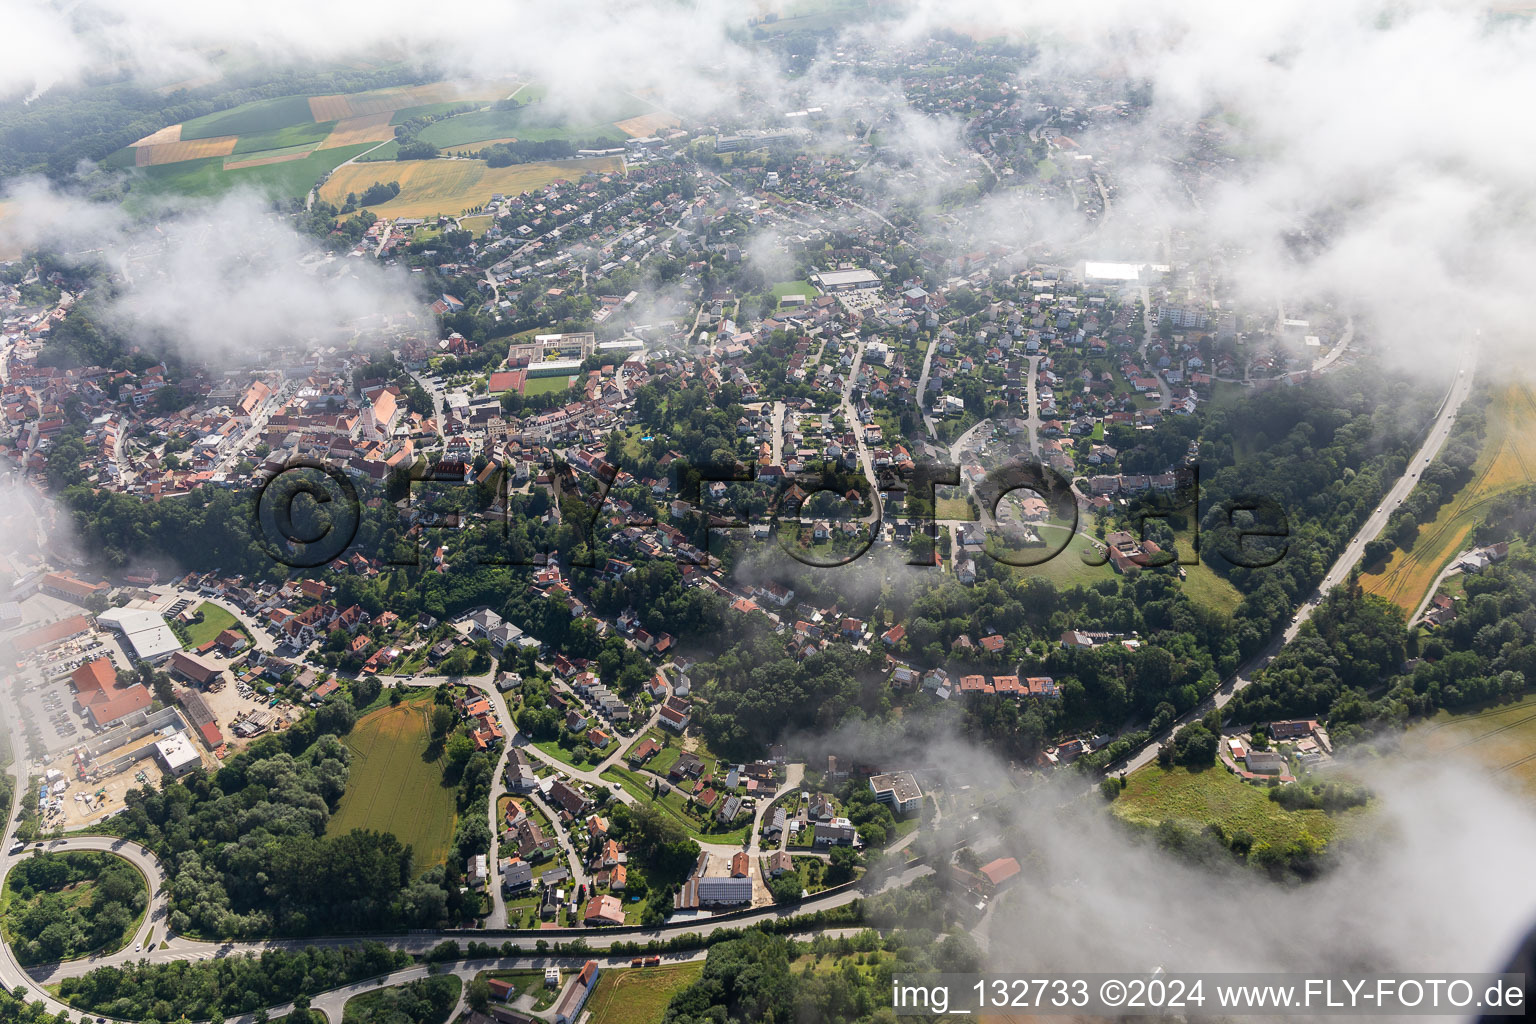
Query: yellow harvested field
356, 130
646, 124
431, 187
387, 101
262, 161
170, 133
1508, 460
175, 152
1501, 736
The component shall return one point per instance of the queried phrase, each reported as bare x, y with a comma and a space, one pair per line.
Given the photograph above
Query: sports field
545, 385
1508, 460
1503, 737
392, 787
431, 187
639, 995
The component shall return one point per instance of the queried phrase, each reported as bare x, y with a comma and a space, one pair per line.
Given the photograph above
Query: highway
1434, 440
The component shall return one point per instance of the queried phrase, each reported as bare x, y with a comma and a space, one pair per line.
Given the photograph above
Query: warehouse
144, 631
846, 280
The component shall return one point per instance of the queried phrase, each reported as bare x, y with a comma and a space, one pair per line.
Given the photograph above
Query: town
771, 530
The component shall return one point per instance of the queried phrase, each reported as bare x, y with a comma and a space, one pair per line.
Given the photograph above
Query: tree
786, 888
479, 994
366, 690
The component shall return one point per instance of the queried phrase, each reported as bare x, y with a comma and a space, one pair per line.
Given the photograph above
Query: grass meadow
1195, 799
639, 995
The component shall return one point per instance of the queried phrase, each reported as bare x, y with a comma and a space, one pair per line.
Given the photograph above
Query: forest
427, 1001
247, 851
63, 905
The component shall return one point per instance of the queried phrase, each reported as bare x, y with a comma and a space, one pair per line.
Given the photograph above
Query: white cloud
219, 280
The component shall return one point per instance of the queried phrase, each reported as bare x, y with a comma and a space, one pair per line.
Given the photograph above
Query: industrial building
846, 280
144, 631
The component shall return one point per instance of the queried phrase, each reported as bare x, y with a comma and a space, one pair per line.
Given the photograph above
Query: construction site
90, 781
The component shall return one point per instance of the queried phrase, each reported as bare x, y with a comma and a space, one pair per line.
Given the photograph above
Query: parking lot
42, 680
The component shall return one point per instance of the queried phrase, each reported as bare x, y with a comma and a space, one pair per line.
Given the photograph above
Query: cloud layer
220, 280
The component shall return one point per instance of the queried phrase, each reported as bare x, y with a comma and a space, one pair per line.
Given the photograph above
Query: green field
385, 153
257, 116
534, 122
640, 995
291, 179
1203, 584
559, 753
784, 288
284, 138
302, 149
675, 803
393, 787
215, 621
1195, 799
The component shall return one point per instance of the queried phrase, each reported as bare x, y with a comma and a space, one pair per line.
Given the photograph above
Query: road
865, 461
437, 399
1418, 613
922, 389
259, 419
1318, 365
1165, 393
778, 433
1460, 387
309, 200
175, 949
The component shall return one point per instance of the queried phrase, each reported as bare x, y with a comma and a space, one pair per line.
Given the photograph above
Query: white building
177, 755
144, 631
